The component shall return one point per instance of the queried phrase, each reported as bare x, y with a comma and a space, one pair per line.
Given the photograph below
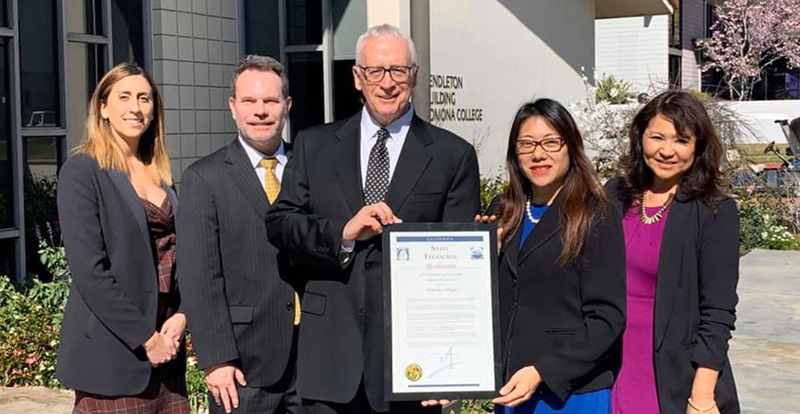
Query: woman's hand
705, 380
491, 219
160, 349
701, 406
175, 327
520, 387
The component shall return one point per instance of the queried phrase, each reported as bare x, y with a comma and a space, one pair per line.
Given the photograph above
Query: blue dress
595, 402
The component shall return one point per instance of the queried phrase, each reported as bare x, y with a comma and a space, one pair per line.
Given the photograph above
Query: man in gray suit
242, 314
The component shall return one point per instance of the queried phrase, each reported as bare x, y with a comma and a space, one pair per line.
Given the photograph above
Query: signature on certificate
447, 362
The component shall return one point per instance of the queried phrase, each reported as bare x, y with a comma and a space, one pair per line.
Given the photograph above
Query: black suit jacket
112, 304
565, 321
341, 336
695, 308
239, 309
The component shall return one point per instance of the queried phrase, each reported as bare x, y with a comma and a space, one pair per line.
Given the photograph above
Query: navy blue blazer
113, 301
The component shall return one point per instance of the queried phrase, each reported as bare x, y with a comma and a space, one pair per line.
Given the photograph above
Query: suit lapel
133, 202
244, 175
544, 230
413, 160
670, 262
348, 167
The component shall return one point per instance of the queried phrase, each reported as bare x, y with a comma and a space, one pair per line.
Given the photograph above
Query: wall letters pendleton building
481, 59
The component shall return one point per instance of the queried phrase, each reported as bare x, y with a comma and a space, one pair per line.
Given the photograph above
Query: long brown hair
99, 143
704, 180
582, 195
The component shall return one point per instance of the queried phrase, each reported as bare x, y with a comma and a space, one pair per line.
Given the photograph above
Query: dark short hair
704, 180
262, 63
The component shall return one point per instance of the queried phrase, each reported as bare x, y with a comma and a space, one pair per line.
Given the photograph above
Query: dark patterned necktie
377, 170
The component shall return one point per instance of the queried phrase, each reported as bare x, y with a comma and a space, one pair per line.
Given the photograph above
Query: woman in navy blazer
681, 236
562, 276
121, 336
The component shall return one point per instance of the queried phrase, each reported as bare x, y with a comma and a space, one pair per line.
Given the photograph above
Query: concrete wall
500, 54
633, 49
760, 116
195, 50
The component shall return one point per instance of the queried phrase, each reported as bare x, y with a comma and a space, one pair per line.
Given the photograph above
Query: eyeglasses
527, 146
397, 73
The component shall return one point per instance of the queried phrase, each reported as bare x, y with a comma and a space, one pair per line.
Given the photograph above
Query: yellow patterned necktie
272, 186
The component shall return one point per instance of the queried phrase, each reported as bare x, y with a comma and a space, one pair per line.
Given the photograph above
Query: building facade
659, 52
486, 58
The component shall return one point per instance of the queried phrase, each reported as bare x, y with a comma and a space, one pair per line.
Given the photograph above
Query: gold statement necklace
659, 214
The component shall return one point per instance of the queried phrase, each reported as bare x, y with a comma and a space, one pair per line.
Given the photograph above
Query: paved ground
35, 400
765, 350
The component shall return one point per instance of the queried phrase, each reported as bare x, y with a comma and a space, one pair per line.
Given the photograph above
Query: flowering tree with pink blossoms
749, 36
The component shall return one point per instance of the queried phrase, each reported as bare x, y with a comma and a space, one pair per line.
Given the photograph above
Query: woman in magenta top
681, 238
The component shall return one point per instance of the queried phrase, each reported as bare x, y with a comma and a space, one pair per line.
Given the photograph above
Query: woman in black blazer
681, 235
562, 280
121, 336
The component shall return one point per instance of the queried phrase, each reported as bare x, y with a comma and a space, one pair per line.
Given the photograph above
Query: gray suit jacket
238, 306
113, 301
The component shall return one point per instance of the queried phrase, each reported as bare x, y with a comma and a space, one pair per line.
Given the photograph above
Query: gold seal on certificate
440, 307
413, 372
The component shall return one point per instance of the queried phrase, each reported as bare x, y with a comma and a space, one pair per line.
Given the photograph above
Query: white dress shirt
398, 130
256, 156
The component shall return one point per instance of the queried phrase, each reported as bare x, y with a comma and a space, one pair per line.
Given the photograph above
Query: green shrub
763, 224
614, 91
31, 320
490, 187
195, 380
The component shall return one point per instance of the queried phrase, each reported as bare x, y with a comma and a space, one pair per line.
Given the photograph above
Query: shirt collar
255, 156
370, 126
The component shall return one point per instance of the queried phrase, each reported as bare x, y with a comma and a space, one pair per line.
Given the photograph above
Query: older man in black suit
242, 314
346, 181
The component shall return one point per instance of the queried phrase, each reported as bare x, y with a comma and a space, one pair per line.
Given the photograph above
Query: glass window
39, 64
42, 156
3, 12
6, 171
8, 261
674, 72
304, 22
348, 98
84, 67
306, 89
261, 28
675, 29
85, 16
711, 18
127, 23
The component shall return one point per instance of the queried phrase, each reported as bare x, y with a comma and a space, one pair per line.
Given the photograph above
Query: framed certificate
441, 316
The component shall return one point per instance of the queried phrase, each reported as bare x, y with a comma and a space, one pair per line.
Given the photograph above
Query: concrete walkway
765, 350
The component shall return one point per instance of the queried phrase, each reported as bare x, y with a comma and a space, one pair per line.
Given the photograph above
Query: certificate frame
454, 391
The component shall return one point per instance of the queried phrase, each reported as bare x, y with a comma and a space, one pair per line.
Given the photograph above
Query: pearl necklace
529, 214
655, 217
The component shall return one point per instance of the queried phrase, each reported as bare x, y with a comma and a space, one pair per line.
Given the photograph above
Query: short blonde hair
99, 143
